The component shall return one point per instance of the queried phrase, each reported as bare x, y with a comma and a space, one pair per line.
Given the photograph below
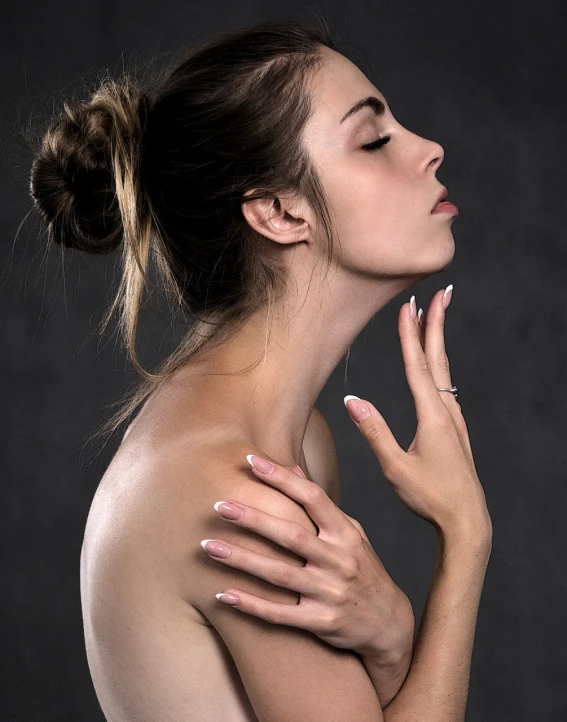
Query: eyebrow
376, 104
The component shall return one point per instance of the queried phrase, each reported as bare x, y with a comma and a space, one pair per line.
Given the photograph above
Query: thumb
374, 428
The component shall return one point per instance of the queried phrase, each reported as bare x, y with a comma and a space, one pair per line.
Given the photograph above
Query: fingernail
265, 467
419, 315
215, 548
412, 307
358, 410
447, 296
228, 511
227, 598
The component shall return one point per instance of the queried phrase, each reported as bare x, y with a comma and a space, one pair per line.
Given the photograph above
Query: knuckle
421, 363
296, 534
314, 493
333, 593
275, 616
281, 576
349, 568
330, 620
442, 360
373, 432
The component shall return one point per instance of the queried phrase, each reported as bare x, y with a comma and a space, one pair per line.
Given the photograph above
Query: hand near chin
347, 597
436, 477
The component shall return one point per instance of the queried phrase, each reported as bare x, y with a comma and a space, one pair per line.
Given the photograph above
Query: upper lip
441, 197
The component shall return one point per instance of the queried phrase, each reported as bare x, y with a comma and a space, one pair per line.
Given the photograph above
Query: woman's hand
436, 477
347, 597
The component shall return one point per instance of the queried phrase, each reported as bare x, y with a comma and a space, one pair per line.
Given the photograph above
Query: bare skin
141, 628
147, 588
135, 552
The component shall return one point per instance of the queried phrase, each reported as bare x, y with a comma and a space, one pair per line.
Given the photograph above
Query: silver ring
453, 390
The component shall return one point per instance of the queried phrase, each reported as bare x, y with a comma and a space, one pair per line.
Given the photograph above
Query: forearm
436, 686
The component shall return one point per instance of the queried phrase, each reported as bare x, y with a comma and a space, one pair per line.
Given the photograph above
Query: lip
443, 193
442, 205
446, 207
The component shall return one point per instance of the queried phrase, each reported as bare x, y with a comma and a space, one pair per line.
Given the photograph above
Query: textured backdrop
487, 81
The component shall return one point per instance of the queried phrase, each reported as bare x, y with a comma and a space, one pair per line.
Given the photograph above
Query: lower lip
446, 207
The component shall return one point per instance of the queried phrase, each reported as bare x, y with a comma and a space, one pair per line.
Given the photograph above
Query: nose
434, 157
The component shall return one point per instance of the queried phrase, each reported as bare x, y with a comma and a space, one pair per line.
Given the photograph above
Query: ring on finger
453, 390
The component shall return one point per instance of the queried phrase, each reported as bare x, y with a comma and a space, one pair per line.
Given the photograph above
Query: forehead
337, 86
334, 89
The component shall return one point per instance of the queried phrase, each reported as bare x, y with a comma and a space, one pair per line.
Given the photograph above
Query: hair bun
72, 178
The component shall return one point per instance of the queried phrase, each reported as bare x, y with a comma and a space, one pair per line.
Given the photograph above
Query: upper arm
321, 455
288, 673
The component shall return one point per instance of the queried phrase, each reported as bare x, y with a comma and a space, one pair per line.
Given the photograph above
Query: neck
271, 402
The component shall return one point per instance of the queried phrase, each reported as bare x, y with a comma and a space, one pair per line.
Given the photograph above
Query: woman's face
382, 199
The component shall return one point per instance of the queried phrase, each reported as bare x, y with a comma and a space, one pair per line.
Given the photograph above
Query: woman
237, 173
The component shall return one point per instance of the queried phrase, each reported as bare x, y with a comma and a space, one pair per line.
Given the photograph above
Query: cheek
376, 212
383, 225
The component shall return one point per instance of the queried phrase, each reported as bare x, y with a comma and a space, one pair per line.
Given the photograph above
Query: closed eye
376, 144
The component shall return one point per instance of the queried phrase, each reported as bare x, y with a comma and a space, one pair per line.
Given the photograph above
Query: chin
438, 257
445, 249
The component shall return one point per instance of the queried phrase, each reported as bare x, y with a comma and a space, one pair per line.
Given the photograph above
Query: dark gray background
486, 80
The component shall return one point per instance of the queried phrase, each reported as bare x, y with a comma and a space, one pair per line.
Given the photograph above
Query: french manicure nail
447, 296
412, 308
215, 548
262, 465
357, 409
227, 598
228, 511
419, 315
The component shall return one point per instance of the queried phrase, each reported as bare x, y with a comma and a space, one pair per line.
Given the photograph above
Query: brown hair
159, 169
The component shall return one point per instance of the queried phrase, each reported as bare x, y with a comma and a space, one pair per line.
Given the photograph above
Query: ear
279, 218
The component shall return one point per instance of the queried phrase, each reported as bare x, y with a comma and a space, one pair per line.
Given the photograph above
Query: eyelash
376, 144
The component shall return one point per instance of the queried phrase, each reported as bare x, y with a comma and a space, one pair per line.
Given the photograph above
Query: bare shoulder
159, 510
321, 454
228, 476
157, 506
288, 672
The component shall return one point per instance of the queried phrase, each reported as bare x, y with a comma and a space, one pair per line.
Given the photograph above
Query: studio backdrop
485, 80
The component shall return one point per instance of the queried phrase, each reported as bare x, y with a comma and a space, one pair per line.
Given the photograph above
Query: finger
377, 433
438, 359
427, 399
316, 502
286, 533
291, 615
276, 572
298, 470
421, 326
435, 347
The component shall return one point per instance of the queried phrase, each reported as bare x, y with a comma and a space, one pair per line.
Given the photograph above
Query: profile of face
381, 196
